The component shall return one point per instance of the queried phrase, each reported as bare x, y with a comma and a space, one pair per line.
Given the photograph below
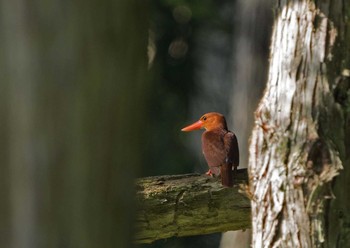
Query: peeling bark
298, 141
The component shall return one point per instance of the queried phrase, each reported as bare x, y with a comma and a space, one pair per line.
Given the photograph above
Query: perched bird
219, 146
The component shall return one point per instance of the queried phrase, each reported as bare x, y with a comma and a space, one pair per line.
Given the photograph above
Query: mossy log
191, 204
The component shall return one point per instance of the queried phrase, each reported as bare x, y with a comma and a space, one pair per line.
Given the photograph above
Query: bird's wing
232, 158
232, 151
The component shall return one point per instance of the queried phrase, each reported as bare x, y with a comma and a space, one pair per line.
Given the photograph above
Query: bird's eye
204, 118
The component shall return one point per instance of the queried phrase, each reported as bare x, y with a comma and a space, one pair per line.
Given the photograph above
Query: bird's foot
209, 173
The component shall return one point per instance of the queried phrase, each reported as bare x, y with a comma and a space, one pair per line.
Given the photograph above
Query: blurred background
94, 93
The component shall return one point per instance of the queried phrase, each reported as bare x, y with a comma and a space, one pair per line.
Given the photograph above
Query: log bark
300, 139
191, 204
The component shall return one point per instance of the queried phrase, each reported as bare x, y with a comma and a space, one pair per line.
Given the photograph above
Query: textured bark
301, 134
187, 205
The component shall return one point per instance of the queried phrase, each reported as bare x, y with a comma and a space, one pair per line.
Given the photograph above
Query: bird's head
208, 121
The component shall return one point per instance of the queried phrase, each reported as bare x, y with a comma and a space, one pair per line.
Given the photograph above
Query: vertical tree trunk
301, 138
72, 103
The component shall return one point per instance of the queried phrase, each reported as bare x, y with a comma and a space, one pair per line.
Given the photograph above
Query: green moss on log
191, 204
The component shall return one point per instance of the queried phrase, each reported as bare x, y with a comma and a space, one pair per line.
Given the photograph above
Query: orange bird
219, 146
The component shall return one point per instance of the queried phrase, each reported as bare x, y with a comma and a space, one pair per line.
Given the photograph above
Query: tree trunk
301, 138
72, 107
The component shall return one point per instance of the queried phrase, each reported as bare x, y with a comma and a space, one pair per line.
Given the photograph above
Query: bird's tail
226, 175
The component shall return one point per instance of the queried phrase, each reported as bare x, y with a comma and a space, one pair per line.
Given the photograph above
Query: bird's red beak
195, 126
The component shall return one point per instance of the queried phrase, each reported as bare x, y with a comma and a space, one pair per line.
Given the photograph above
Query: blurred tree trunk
72, 106
301, 138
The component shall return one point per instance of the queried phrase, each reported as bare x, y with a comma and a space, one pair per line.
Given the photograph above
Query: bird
219, 146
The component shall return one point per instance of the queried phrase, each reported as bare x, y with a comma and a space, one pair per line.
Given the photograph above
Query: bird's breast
213, 147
